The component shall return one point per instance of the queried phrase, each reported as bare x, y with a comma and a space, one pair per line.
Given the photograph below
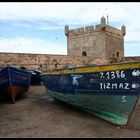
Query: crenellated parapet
102, 27
78, 31
98, 28
113, 31
89, 29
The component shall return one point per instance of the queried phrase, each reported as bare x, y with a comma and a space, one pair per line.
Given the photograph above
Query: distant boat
107, 91
36, 77
14, 81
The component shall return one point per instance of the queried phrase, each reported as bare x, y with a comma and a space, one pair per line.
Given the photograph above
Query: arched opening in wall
84, 53
118, 54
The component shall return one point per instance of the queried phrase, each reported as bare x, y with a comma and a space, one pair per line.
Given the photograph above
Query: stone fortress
100, 45
104, 41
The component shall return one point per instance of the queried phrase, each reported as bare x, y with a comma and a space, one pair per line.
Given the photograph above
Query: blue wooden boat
14, 81
36, 77
107, 91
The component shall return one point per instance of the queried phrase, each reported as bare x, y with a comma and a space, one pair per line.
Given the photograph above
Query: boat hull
109, 92
36, 77
14, 82
115, 109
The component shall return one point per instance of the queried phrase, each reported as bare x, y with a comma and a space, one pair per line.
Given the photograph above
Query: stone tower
104, 41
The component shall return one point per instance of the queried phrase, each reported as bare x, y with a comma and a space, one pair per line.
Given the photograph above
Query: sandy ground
36, 115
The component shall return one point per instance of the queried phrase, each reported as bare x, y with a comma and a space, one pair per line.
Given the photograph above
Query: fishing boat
110, 92
36, 77
14, 81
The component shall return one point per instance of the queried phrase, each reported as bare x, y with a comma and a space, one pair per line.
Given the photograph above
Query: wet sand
37, 115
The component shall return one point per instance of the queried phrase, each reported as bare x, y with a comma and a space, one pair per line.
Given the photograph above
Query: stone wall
46, 62
132, 59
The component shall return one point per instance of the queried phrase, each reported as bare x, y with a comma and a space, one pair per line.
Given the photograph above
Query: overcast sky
38, 27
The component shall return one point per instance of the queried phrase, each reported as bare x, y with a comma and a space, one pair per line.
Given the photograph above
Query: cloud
71, 12
31, 45
66, 11
52, 16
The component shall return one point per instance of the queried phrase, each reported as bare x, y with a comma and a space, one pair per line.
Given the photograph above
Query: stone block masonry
46, 62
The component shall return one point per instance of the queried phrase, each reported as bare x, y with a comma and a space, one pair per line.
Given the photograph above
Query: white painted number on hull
124, 99
112, 74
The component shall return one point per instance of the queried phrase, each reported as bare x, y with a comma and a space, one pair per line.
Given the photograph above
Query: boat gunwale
90, 69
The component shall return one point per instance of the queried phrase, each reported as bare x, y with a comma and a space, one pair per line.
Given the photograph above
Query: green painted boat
110, 92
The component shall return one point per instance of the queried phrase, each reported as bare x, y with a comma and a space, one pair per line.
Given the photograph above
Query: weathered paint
109, 91
115, 109
36, 78
97, 68
107, 82
14, 81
